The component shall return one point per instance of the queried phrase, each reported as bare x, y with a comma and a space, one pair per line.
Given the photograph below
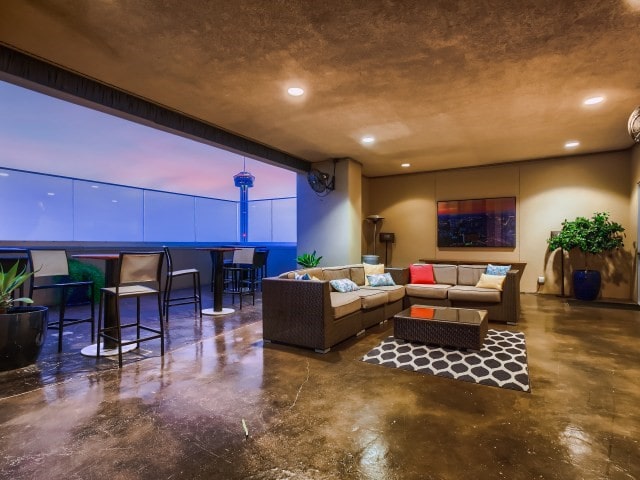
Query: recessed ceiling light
368, 139
295, 91
571, 144
95, 186
593, 100
4, 174
405, 165
114, 201
51, 194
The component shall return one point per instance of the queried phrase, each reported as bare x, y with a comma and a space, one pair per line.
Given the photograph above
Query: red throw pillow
422, 273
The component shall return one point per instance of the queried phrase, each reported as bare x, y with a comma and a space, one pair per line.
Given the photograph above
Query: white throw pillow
372, 270
491, 281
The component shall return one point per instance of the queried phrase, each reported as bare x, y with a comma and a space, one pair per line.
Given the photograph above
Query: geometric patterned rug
502, 362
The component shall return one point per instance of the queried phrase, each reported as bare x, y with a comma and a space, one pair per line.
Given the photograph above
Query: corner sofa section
455, 286
308, 313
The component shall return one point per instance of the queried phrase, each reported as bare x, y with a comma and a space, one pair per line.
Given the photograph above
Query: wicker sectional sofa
455, 287
307, 313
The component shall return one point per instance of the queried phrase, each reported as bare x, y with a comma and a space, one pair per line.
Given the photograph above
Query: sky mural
39, 133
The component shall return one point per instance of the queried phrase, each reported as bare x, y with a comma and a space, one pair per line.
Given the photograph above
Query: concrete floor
313, 416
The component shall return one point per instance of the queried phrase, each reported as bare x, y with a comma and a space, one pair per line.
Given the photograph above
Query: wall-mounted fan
320, 182
634, 125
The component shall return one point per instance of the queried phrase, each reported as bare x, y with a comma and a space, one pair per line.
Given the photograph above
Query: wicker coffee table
444, 326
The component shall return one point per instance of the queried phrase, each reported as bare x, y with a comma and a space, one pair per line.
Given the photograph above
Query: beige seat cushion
445, 274
427, 291
344, 303
336, 273
357, 274
468, 293
394, 292
372, 298
470, 274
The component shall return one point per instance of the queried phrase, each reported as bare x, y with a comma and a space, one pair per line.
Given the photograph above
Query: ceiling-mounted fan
634, 125
320, 182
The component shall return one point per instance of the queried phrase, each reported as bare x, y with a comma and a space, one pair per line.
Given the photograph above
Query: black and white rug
502, 362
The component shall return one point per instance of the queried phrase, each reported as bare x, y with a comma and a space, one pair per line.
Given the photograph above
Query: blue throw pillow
344, 285
497, 269
305, 276
381, 280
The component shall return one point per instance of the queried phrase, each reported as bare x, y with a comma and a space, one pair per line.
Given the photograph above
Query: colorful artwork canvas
485, 222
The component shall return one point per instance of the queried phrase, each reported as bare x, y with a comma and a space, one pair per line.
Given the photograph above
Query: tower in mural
244, 181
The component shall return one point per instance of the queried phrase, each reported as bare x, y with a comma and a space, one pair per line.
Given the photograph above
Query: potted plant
22, 328
592, 236
308, 260
81, 272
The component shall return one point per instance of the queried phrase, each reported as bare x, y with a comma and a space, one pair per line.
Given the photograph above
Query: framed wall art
483, 222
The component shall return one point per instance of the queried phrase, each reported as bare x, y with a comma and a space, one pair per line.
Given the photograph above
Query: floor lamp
375, 219
387, 238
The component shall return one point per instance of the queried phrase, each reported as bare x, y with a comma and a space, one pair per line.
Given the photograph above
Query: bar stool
139, 275
260, 262
196, 295
51, 271
240, 276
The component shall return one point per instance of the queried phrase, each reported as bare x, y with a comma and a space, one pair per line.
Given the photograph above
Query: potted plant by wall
308, 260
22, 328
592, 236
81, 272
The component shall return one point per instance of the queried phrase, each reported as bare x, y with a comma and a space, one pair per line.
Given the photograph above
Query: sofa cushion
393, 293
445, 274
344, 303
357, 274
336, 273
372, 298
313, 272
343, 285
421, 273
381, 280
470, 274
497, 269
372, 270
468, 293
491, 281
438, 291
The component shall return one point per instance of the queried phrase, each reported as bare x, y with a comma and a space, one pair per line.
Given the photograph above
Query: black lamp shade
387, 237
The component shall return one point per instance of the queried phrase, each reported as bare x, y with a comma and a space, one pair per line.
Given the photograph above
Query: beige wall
546, 191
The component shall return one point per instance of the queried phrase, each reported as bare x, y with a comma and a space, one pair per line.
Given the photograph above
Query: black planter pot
22, 334
586, 284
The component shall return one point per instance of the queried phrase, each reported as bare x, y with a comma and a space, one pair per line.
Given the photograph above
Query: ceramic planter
586, 284
22, 334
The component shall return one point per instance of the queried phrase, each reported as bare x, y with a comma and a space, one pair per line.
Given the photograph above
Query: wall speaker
387, 237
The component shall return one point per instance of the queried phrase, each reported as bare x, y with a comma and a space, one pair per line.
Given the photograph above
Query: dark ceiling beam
68, 83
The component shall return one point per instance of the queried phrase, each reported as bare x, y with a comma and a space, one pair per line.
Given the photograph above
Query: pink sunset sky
39, 133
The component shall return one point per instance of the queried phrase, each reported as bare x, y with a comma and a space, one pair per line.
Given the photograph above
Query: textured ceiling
440, 83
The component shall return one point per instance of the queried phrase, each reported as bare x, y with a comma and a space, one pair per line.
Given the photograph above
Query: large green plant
9, 281
82, 272
308, 260
593, 235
